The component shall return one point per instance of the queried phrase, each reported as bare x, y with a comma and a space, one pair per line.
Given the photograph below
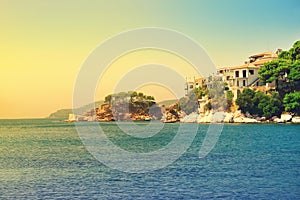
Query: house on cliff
246, 75
191, 84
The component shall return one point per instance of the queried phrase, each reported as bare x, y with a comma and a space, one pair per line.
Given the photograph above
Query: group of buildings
239, 77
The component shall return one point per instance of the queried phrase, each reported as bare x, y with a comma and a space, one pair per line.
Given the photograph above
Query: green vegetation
130, 102
259, 104
285, 71
292, 102
229, 99
245, 101
201, 92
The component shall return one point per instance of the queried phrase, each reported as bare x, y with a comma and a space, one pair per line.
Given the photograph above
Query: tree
108, 99
245, 101
292, 102
285, 71
259, 104
270, 105
229, 99
200, 92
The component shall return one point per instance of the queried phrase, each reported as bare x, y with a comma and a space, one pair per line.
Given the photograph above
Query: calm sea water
45, 158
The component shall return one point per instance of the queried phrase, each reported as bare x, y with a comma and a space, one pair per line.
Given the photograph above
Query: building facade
246, 75
191, 84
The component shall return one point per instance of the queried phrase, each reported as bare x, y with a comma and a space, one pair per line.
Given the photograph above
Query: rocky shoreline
236, 117
172, 114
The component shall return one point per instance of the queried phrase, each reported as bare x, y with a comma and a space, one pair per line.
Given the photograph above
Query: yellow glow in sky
126, 64
44, 43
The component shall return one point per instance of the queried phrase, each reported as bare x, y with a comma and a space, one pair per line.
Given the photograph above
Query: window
251, 71
236, 73
191, 86
244, 73
237, 83
244, 82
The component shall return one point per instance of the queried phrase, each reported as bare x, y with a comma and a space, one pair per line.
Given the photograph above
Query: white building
247, 74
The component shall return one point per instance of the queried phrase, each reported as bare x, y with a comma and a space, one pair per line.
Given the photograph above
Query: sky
43, 44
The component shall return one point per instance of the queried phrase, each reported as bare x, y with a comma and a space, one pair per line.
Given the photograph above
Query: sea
48, 159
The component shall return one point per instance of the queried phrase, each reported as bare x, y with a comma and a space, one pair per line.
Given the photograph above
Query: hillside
64, 113
168, 102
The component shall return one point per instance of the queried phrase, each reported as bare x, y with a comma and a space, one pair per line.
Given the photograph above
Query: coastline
208, 118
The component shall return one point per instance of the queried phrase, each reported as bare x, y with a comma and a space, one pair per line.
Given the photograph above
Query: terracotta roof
262, 61
271, 54
248, 65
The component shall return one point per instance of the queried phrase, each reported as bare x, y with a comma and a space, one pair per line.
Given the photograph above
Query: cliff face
123, 111
172, 114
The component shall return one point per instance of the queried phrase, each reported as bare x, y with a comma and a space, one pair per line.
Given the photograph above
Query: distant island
266, 88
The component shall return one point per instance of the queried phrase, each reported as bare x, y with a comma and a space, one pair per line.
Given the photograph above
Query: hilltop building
193, 83
246, 75
238, 77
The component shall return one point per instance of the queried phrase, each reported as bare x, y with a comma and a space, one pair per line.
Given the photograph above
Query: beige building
191, 84
246, 75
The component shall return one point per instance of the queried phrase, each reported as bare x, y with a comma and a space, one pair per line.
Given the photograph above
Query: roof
248, 65
269, 54
262, 61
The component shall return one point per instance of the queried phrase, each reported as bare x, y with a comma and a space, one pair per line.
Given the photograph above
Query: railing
253, 82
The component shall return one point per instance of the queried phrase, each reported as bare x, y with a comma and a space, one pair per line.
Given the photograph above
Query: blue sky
44, 43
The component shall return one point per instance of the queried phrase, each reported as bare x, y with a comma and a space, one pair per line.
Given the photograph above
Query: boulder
244, 120
286, 117
283, 118
296, 119
238, 120
218, 117
274, 118
191, 118
207, 118
278, 120
250, 120
228, 118
238, 114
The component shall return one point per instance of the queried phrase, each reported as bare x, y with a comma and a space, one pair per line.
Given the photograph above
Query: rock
278, 120
228, 118
218, 117
191, 118
283, 118
263, 119
286, 117
207, 118
296, 119
244, 120
274, 118
238, 114
250, 120
248, 115
238, 120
